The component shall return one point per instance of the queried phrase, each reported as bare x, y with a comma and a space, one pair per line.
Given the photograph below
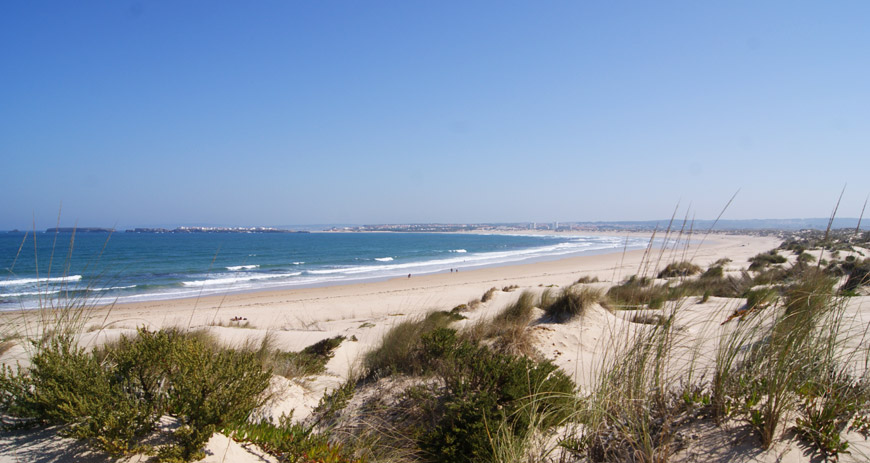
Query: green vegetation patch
679, 269
113, 397
572, 302
308, 362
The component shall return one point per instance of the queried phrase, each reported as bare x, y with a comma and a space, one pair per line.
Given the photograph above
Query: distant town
753, 226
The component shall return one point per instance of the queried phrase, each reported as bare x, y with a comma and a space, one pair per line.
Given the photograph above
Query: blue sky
295, 112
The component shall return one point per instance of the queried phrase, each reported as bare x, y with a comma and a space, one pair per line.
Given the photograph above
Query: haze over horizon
271, 113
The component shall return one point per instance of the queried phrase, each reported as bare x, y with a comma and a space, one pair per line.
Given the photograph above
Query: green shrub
308, 362
827, 405
484, 391
209, 390
290, 442
112, 397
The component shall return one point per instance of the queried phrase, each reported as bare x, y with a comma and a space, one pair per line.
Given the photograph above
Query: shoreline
296, 309
242, 284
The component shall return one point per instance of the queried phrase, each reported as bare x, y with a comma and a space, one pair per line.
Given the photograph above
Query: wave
461, 251
383, 259
41, 281
239, 279
242, 267
298, 263
62, 291
30, 293
476, 259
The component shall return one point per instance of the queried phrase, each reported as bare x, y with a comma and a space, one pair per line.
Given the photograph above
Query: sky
360, 112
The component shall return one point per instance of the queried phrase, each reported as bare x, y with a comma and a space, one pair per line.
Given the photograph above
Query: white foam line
41, 281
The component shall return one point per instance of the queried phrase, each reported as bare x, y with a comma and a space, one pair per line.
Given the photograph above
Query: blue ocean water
131, 267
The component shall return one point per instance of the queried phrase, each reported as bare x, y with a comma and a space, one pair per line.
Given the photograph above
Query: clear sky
298, 112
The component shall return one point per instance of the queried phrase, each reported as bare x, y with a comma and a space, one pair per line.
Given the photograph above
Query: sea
42, 268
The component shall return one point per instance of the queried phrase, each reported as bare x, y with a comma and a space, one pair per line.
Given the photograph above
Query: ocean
130, 267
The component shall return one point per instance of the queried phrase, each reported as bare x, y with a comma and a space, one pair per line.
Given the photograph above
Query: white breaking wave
41, 281
458, 250
242, 267
60, 291
30, 293
383, 259
476, 259
298, 263
239, 279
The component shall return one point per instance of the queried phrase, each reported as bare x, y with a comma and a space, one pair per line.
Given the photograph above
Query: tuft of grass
637, 293
573, 302
488, 294
635, 408
509, 328
679, 269
761, 298
399, 348
859, 274
791, 360
713, 273
586, 279
7, 343
765, 259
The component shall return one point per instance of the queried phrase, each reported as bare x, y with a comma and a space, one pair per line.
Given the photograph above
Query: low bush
828, 404
484, 391
586, 279
113, 397
290, 442
308, 362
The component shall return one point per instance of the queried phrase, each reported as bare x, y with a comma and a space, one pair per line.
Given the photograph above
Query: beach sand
364, 312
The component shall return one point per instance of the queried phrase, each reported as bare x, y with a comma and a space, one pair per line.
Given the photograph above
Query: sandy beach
363, 313
314, 313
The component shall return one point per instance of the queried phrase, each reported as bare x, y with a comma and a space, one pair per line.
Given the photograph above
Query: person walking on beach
409, 275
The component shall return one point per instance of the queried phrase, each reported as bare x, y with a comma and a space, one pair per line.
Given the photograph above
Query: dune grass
399, 348
572, 302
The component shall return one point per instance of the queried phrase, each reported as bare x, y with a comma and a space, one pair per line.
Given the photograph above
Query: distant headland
175, 230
